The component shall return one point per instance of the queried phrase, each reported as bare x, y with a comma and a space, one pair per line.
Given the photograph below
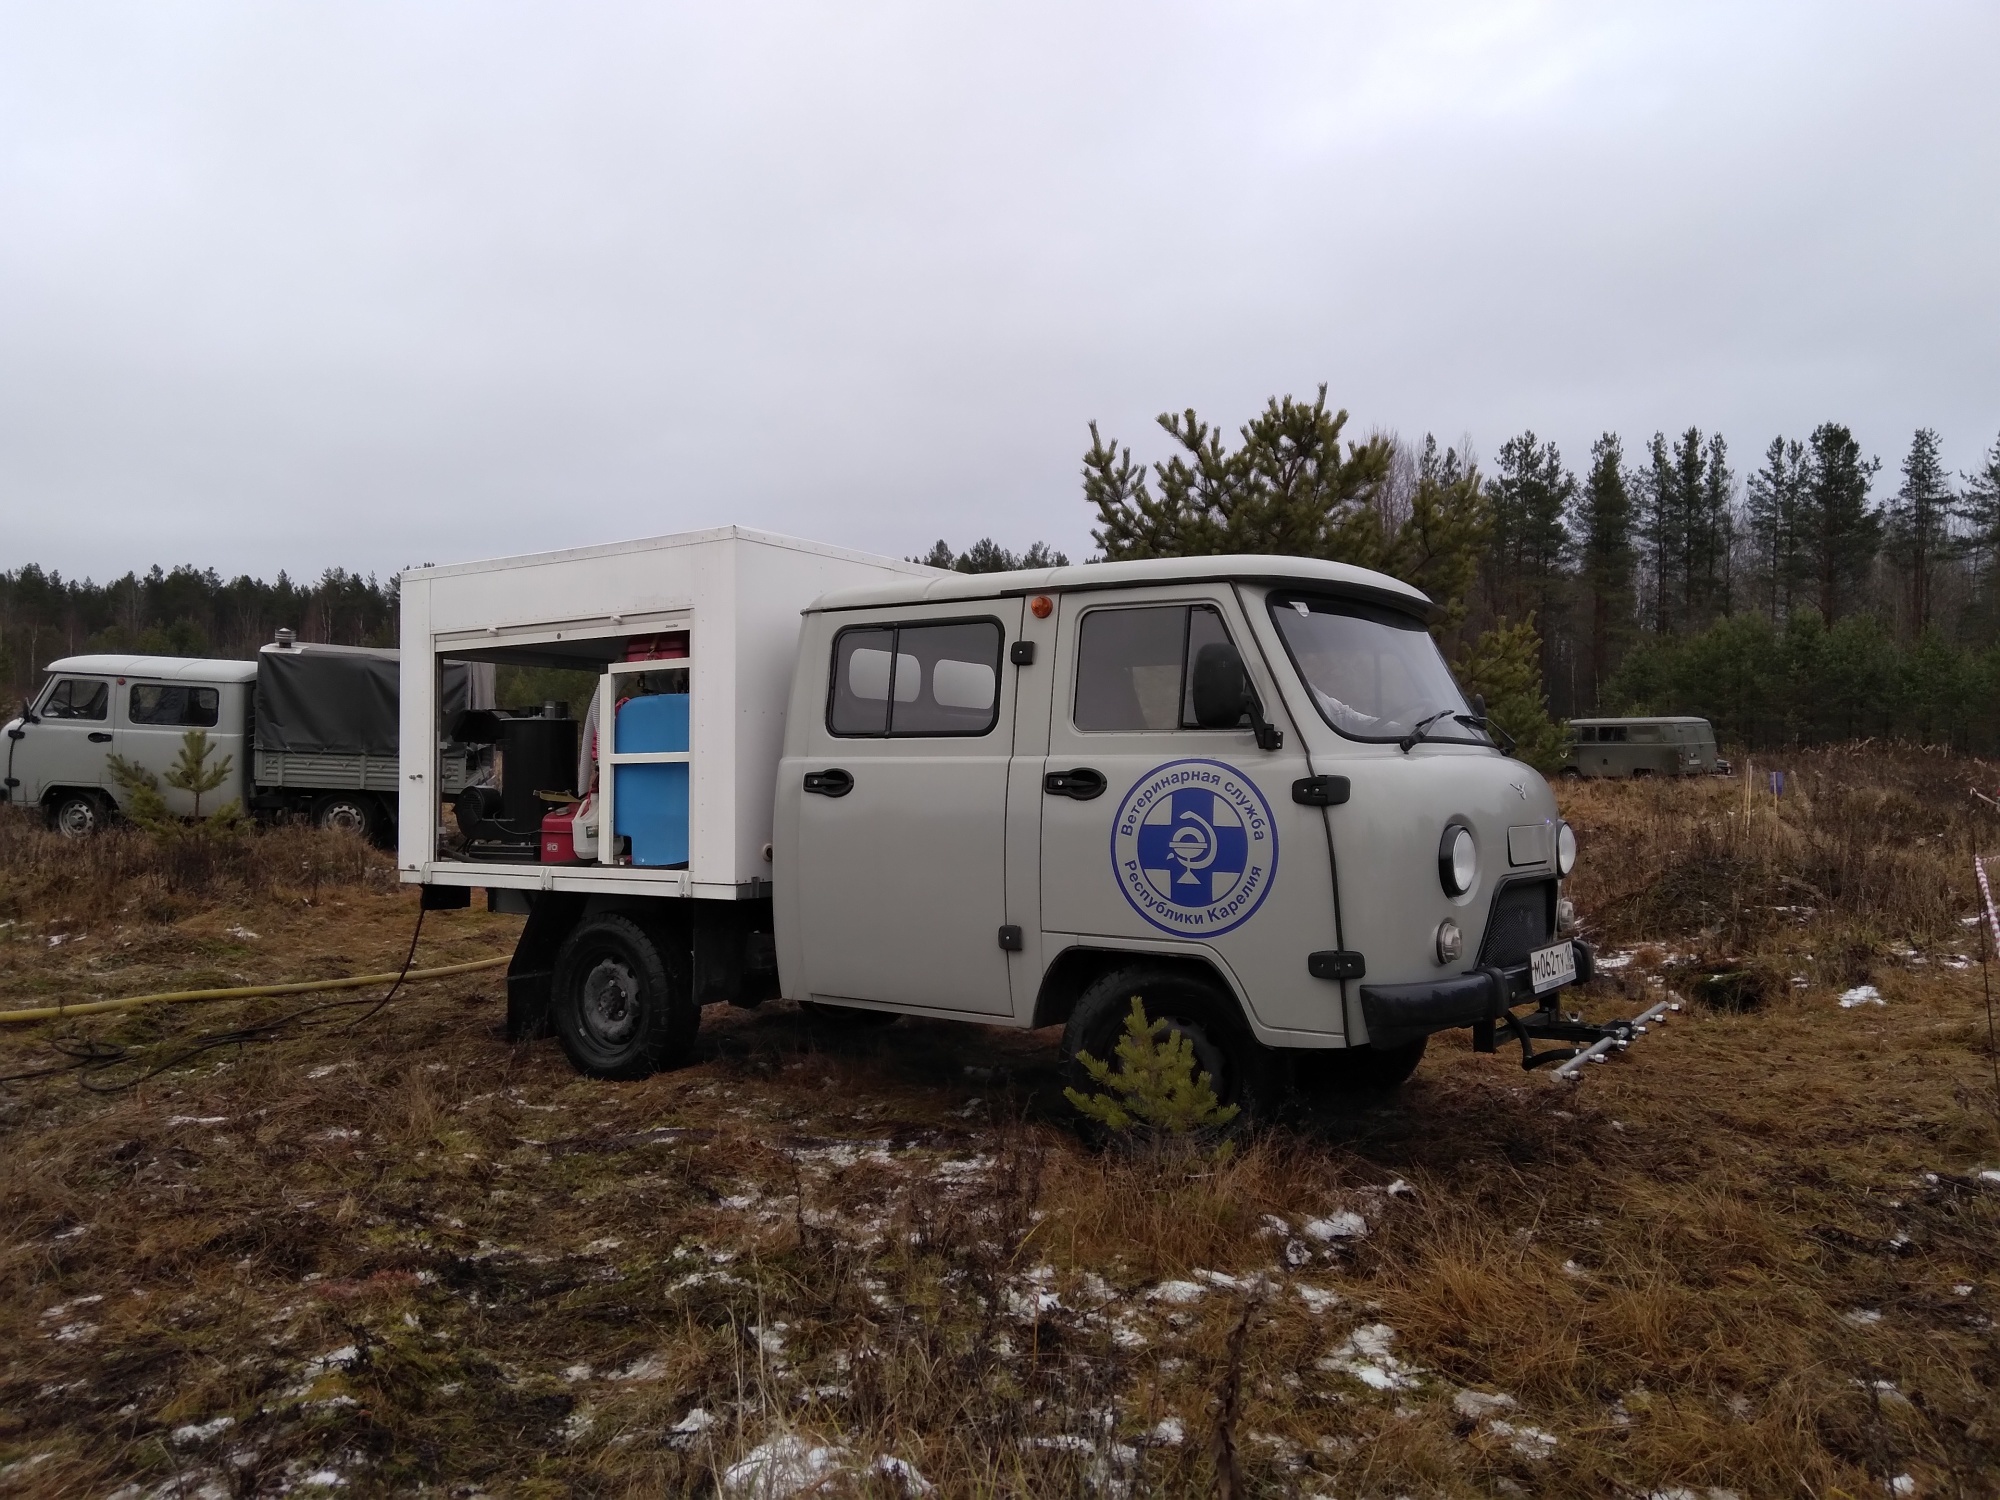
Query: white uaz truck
1244, 789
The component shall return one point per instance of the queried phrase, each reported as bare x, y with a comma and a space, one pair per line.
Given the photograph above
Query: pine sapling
191, 772
1156, 1085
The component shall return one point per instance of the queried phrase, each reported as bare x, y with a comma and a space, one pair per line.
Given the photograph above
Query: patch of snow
1400, 1189
1989, 1174
323, 1479
1863, 1317
650, 1367
780, 1466
1962, 1289
576, 1426
602, 1247
902, 1473
1571, 1268
740, 1201
198, 1119
1529, 1442
576, 1372
1902, 1484
201, 1432
1862, 994
1478, 1405
242, 934
334, 1359
1345, 1225
338, 1133
1318, 1300
1297, 1253
1168, 1432
965, 1167
1272, 1224
1176, 1293
1366, 1357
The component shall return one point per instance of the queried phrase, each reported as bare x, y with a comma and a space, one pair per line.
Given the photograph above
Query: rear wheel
349, 812
623, 1004
77, 815
1237, 1065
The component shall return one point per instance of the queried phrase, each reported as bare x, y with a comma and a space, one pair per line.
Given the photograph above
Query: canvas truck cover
318, 700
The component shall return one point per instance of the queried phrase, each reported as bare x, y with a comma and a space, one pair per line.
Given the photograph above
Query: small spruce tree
1156, 1086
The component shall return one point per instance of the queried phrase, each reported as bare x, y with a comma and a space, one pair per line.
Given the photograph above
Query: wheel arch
1077, 968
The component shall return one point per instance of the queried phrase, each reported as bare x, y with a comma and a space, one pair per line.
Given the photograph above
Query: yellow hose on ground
244, 992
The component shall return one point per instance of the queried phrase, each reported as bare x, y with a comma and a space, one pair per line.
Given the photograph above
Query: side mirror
1219, 686
1478, 705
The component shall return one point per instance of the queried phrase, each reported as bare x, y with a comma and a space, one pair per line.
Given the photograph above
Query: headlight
1458, 860
1450, 942
1565, 849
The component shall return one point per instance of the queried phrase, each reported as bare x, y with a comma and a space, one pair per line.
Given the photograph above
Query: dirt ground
283, 1247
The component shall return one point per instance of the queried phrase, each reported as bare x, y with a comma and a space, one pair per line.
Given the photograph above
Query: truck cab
1250, 782
1245, 790
138, 707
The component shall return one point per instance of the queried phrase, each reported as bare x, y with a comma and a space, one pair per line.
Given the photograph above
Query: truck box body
735, 596
327, 719
301, 725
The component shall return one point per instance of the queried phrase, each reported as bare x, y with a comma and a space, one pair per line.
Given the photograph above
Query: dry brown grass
889, 1242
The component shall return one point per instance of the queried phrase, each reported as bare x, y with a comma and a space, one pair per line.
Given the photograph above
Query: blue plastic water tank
652, 801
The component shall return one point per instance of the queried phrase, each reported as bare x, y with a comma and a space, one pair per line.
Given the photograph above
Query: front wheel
623, 1005
1237, 1065
77, 815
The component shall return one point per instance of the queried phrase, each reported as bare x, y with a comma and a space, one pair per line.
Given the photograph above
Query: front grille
1523, 919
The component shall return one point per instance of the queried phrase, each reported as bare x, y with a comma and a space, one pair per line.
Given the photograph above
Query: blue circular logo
1194, 847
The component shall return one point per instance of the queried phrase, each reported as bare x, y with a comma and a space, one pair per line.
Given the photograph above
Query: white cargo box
736, 593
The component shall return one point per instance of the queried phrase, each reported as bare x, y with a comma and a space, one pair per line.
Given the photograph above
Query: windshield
1375, 673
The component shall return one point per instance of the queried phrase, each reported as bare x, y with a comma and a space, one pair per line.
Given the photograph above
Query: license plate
1552, 966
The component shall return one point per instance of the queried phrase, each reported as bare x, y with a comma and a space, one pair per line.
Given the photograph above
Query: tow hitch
1548, 1024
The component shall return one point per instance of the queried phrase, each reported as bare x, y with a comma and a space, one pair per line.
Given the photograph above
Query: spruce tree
1842, 529
1604, 545
1529, 547
1775, 501
1919, 534
1979, 509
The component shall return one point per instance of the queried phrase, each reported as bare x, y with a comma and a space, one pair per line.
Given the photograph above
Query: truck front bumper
1401, 1013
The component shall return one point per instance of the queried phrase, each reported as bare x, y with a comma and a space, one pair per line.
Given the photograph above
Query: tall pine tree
1528, 554
1604, 546
1842, 529
1919, 531
1775, 499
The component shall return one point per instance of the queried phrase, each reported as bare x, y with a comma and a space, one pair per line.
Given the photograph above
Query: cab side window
901, 681
1132, 666
176, 705
78, 698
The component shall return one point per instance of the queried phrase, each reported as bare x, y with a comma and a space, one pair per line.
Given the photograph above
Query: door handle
99, 737
829, 783
1082, 783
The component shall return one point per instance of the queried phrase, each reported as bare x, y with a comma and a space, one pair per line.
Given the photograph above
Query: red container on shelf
559, 837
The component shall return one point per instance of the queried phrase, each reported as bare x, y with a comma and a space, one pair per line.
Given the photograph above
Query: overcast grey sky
314, 283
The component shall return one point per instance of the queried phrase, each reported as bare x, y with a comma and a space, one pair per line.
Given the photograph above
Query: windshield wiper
1422, 728
1481, 722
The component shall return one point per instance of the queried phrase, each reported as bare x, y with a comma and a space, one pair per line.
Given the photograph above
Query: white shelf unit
610, 757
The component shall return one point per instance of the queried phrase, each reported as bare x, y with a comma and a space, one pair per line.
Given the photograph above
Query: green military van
1643, 747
